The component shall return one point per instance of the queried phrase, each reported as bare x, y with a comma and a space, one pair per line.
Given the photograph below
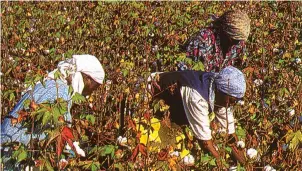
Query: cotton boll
63, 163
233, 168
191, 160
174, 154
298, 60
122, 140
258, 82
186, 160
240, 144
28, 168
251, 153
292, 112
241, 102
67, 147
269, 168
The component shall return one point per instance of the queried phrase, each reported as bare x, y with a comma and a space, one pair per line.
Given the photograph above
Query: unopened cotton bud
240, 144
252, 153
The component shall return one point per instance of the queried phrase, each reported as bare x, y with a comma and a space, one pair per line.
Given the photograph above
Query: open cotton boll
121, 140
258, 82
189, 160
174, 153
292, 112
233, 168
269, 168
241, 102
80, 151
252, 153
240, 144
67, 147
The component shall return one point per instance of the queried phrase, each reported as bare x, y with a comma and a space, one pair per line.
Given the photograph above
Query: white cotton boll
292, 112
240, 144
298, 60
233, 168
63, 161
251, 153
28, 168
174, 154
78, 149
31, 30
1, 73
186, 160
67, 147
191, 160
46, 51
269, 168
258, 82
90, 105
275, 50
121, 140
241, 102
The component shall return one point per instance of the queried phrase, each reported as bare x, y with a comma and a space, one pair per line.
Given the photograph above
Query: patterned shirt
205, 46
52, 90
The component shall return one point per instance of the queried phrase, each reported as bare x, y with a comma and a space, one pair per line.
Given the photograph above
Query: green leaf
95, 166
212, 162
78, 98
46, 117
48, 166
106, 150
91, 119
22, 155
199, 66
11, 96
57, 74
26, 103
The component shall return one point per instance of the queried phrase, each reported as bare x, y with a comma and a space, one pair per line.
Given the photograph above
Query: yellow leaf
184, 152
155, 124
180, 137
144, 137
287, 55
154, 137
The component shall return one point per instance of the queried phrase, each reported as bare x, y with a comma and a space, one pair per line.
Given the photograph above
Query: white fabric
87, 64
197, 112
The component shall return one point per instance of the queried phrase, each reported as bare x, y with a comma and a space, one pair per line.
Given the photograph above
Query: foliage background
129, 37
